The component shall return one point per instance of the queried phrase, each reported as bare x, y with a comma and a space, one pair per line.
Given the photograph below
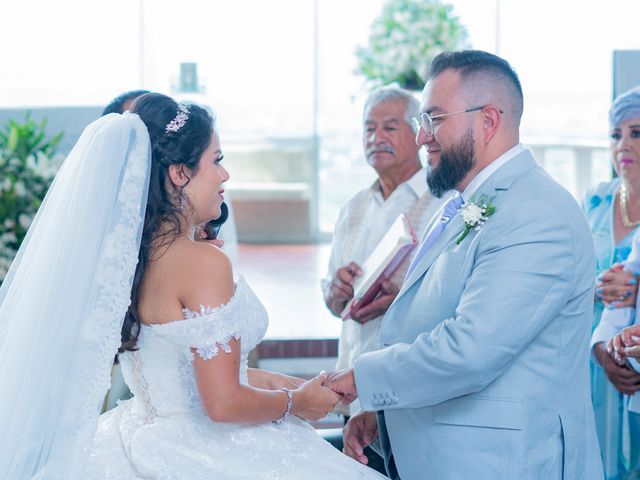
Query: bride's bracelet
287, 412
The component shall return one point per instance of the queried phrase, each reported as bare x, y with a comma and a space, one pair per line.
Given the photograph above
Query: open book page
395, 246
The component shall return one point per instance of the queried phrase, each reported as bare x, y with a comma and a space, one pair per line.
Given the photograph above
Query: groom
483, 368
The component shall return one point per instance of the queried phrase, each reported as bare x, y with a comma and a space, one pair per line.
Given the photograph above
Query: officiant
389, 145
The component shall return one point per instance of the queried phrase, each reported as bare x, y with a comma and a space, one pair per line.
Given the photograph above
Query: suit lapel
494, 186
452, 230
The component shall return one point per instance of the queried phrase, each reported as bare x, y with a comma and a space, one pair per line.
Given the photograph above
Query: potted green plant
28, 163
405, 37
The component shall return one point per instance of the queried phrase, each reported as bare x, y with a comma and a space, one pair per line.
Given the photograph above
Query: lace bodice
160, 373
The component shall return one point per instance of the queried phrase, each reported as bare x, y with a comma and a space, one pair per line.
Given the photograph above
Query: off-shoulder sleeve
211, 329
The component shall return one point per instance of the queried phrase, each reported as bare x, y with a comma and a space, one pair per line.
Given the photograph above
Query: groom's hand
343, 383
360, 431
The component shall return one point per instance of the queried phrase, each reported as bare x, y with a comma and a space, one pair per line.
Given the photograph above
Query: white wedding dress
163, 431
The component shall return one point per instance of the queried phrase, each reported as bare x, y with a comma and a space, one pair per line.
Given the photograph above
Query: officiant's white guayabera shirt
362, 223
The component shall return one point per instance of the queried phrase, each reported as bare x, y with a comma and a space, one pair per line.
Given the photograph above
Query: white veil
64, 298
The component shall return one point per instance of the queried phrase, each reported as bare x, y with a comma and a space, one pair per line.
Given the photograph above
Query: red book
395, 246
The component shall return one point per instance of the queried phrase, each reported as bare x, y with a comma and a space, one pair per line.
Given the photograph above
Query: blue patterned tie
450, 210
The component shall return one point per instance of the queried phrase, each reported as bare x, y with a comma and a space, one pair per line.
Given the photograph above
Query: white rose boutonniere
474, 214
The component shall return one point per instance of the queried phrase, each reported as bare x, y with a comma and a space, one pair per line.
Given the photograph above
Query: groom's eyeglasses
429, 122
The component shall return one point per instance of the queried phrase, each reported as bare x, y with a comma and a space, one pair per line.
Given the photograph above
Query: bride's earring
181, 200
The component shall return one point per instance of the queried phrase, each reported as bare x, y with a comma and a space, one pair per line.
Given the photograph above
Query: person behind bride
123, 102
484, 372
115, 239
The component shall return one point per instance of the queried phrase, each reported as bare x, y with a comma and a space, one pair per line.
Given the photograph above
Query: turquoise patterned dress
618, 429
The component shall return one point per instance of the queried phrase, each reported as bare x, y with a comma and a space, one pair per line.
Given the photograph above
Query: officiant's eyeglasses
429, 122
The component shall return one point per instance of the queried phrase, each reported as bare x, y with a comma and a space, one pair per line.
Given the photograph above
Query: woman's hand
313, 401
201, 235
623, 378
625, 344
617, 287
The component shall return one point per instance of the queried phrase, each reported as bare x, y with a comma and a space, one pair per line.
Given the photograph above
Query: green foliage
28, 163
405, 38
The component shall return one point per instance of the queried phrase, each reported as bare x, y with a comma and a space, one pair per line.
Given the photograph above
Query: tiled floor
286, 278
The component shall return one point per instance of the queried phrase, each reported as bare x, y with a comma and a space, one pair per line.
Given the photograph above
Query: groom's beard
454, 165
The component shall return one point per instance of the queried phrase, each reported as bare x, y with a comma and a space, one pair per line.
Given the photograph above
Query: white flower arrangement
475, 214
405, 37
28, 164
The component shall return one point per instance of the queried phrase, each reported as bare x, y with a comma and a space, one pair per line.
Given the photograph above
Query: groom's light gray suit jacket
485, 373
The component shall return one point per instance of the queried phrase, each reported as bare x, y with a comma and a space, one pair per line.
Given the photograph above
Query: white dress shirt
489, 170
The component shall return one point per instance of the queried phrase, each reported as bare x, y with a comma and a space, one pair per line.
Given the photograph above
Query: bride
142, 182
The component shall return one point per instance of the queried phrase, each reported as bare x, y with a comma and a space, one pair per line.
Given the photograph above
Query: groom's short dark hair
472, 64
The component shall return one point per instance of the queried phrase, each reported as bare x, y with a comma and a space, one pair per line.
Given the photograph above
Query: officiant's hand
313, 401
343, 382
360, 431
379, 306
341, 290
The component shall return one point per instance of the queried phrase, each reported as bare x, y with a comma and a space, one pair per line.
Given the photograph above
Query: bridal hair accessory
179, 121
475, 214
287, 412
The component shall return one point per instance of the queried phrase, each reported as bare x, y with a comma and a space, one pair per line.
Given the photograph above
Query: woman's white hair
625, 107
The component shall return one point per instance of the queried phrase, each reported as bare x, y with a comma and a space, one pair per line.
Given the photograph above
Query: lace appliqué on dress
210, 349
212, 328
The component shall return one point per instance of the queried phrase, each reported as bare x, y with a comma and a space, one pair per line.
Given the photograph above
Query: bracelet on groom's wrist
287, 412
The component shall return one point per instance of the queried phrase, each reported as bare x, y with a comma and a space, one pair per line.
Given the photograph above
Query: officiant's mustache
380, 149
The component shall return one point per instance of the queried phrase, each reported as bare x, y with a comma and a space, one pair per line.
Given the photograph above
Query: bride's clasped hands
310, 399
313, 400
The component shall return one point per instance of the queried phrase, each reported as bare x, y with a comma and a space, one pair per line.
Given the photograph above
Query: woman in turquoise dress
613, 212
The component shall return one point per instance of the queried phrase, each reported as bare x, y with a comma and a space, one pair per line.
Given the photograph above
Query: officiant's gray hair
393, 94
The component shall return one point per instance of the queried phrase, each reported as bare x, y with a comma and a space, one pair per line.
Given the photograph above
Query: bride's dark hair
162, 216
